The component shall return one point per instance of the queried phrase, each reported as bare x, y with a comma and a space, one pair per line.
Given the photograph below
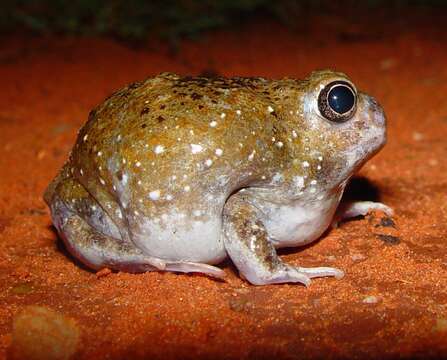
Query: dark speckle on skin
144, 111
196, 96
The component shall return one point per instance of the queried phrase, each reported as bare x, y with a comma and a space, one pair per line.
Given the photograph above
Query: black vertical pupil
341, 99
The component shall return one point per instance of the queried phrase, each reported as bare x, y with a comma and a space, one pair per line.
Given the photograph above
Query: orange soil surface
393, 299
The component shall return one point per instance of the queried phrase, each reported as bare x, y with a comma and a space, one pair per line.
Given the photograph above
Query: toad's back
172, 139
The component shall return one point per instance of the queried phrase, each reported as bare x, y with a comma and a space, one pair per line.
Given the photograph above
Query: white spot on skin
294, 134
219, 152
320, 158
319, 167
154, 195
124, 161
279, 144
85, 137
306, 164
118, 138
136, 212
238, 112
277, 178
99, 153
101, 180
137, 164
270, 109
139, 182
313, 182
252, 155
222, 116
81, 172
213, 123
209, 162
94, 208
195, 148
169, 197
298, 181
187, 188
159, 149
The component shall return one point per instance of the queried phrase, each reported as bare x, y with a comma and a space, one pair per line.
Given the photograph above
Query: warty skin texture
177, 173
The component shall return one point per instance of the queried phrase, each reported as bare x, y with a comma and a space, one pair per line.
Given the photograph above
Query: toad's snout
376, 120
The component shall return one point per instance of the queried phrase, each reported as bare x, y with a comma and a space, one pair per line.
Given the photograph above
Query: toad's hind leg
98, 251
97, 242
247, 243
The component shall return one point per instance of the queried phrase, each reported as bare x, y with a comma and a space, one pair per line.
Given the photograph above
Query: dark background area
135, 20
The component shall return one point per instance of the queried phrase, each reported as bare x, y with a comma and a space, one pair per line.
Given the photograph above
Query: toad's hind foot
192, 267
289, 273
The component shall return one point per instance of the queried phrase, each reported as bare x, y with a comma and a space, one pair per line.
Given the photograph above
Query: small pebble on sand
41, 333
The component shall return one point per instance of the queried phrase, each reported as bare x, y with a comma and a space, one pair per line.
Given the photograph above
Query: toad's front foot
247, 243
289, 273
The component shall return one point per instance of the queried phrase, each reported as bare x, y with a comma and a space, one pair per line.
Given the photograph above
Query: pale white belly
299, 223
181, 238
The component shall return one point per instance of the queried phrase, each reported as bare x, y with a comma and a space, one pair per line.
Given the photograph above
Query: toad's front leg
249, 247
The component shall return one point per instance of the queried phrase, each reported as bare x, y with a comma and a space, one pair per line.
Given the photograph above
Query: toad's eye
337, 101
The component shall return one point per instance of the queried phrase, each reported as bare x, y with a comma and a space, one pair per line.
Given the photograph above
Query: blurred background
136, 20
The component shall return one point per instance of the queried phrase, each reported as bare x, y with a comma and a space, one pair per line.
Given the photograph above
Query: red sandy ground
48, 87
